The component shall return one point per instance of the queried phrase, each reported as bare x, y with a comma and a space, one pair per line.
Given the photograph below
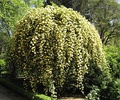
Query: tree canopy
106, 18
10, 12
55, 44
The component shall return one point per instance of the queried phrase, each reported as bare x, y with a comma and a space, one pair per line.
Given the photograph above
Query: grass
43, 97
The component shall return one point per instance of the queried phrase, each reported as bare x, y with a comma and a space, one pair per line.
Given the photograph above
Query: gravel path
6, 94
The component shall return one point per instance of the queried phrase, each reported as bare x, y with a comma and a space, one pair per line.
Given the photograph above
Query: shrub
54, 46
115, 90
94, 94
96, 82
113, 58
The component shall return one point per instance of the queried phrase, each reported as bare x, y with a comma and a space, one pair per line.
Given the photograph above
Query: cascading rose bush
55, 44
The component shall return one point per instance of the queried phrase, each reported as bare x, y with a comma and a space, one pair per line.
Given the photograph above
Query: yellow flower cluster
55, 44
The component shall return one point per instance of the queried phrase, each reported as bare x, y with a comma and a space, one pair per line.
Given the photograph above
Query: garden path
71, 98
6, 94
74, 97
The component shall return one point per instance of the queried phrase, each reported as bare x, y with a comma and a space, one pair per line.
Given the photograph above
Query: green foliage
54, 46
2, 65
96, 82
113, 58
10, 12
94, 94
34, 3
43, 97
115, 89
105, 21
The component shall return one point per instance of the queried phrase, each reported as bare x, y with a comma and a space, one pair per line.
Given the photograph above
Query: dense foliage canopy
55, 46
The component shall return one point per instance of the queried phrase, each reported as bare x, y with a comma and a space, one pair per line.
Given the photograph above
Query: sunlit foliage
54, 46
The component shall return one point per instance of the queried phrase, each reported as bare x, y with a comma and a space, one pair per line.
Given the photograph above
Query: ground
6, 94
71, 98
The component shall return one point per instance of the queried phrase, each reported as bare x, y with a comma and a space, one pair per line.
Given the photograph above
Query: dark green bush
54, 46
96, 83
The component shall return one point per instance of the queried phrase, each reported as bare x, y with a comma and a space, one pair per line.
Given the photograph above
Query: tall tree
10, 12
106, 18
78, 5
34, 3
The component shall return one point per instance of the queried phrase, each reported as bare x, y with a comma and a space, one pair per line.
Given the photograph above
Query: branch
112, 33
